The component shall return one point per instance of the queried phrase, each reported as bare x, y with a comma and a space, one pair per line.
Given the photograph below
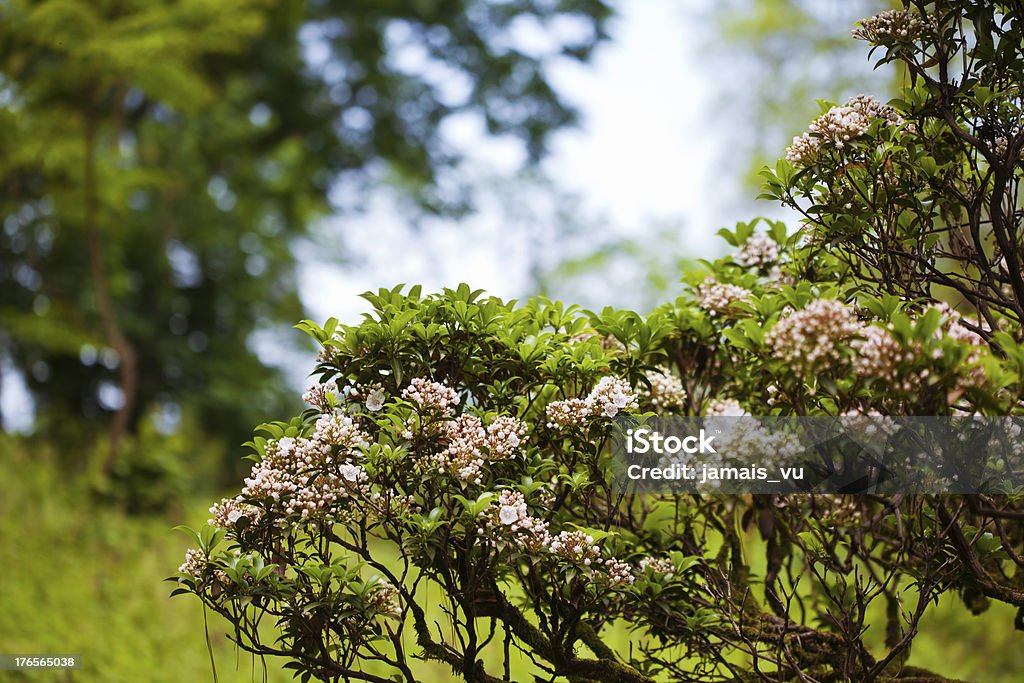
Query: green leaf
190, 532
728, 236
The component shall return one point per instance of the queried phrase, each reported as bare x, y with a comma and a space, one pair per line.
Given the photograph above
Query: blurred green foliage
159, 160
84, 579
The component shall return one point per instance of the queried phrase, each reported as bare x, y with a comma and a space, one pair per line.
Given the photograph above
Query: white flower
759, 251
316, 395
838, 126
890, 27
228, 511
508, 514
568, 413
338, 429
728, 407
715, 297
813, 338
879, 355
375, 400
431, 397
194, 563
351, 472
666, 390
610, 396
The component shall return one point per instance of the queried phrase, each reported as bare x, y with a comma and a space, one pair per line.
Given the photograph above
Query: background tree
160, 159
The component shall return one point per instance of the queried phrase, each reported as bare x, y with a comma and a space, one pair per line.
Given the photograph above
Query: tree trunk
128, 376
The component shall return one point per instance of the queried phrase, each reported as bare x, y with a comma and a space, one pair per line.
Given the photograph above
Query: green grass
81, 578
85, 579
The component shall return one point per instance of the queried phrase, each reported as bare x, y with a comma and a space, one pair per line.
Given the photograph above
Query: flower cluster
618, 572
296, 455
194, 564
385, 600
319, 496
867, 424
338, 429
803, 151
873, 109
431, 397
509, 520
576, 547
666, 392
611, 396
889, 27
752, 440
510, 523
269, 485
228, 511
308, 477
1000, 146
657, 565
316, 395
462, 457
759, 251
813, 337
568, 413
607, 399
469, 445
879, 355
838, 126
724, 407
716, 297
504, 435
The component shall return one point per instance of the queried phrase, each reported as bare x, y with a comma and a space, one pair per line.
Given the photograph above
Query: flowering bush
447, 494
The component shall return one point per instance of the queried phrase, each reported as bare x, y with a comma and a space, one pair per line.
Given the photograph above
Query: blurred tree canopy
790, 53
159, 158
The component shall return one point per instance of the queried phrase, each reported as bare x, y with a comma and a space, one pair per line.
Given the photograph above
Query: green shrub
448, 495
